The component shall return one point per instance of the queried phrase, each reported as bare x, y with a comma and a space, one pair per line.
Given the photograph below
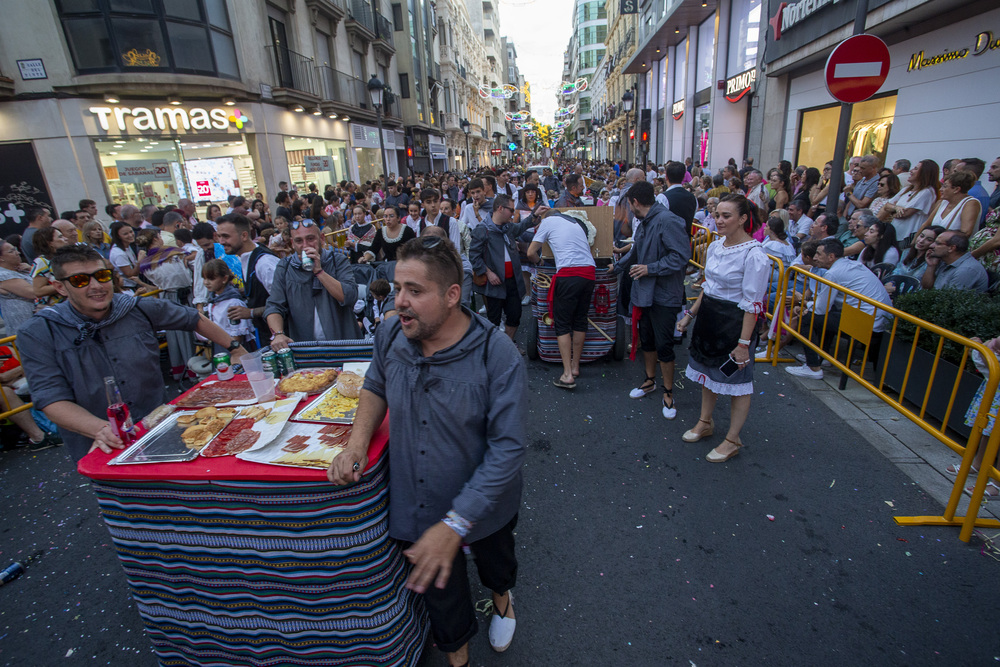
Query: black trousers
451, 609
509, 305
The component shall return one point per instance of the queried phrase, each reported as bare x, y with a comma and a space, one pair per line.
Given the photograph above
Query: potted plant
964, 312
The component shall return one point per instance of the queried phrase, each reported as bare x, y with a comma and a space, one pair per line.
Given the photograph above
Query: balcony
293, 76
345, 94
360, 25
383, 44
6, 86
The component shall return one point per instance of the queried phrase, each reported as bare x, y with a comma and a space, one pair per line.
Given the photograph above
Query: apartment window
186, 36
404, 86
397, 17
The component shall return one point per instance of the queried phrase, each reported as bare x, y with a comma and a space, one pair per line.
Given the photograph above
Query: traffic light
644, 122
631, 134
409, 152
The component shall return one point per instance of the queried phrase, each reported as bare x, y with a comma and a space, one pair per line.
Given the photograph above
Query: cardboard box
603, 219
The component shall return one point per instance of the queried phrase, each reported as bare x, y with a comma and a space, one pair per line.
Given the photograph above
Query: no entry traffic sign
857, 68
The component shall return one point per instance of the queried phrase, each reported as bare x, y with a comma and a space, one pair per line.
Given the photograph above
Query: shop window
744, 33
149, 35
680, 70
706, 54
871, 124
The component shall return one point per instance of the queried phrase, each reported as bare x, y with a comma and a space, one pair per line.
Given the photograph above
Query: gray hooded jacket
298, 296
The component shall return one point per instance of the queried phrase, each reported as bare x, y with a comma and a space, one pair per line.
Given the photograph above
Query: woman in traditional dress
725, 331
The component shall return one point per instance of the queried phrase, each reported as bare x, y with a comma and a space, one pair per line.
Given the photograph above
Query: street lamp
627, 101
376, 90
465, 128
596, 125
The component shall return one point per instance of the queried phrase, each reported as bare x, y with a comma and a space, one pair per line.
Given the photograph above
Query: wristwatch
275, 334
233, 344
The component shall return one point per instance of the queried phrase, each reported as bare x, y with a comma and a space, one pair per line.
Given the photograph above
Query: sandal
714, 457
693, 436
953, 469
639, 392
991, 490
669, 411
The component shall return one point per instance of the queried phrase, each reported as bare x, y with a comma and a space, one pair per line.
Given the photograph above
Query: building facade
585, 51
471, 73
415, 31
687, 52
938, 101
202, 99
615, 124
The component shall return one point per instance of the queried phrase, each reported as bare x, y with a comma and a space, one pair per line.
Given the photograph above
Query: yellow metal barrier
857, 324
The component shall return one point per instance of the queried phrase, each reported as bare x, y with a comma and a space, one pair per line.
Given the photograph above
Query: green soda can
286, 361
269, 360
223, 367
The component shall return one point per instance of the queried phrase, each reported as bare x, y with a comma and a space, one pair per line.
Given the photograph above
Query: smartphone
730, 367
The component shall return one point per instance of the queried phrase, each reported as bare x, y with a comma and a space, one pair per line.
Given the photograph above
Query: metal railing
340, 87
361, 11
383, 28
291, 70
909, 386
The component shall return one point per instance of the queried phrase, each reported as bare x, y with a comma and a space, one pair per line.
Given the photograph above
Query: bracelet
275, 334
744, 342
688, 313
457, 523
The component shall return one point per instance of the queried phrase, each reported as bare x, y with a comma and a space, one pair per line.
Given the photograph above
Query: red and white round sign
857, 68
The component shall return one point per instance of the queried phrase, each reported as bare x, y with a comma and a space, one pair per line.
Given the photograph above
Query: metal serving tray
162, 444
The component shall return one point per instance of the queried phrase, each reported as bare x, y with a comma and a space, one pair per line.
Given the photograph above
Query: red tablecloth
95, 464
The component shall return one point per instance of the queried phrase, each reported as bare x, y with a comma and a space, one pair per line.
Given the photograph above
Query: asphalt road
633, 549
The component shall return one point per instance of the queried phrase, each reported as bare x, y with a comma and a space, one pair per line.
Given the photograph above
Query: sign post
851, 77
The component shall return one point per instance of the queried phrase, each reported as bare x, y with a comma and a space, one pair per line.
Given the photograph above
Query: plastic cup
251, 363
262, 384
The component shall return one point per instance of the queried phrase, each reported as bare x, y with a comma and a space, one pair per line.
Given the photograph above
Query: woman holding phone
725, 331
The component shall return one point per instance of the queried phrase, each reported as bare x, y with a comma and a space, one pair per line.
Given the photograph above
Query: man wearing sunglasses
454, 390
315, 303
494, 255
67, 350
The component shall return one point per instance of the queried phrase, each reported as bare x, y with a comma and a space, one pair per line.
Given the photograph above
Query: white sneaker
526, 300
804, 371
502, 628
482, 310
802, 358
761, 356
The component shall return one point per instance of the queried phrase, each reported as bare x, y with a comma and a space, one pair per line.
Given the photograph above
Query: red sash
587, 272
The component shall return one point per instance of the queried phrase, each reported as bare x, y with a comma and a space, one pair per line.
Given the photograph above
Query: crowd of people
451, 258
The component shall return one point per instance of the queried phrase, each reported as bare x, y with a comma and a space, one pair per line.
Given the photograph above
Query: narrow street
633, 549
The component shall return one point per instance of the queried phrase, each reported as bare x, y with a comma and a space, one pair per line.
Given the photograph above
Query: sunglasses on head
295, 224
429, 242
83, 279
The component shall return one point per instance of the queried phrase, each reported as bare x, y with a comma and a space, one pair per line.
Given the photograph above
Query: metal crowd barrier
890, 382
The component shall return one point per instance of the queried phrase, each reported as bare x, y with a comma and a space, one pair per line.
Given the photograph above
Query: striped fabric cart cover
595, 346
236, 563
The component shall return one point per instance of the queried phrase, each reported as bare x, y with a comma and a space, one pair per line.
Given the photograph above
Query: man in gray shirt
38, 218
68, 349
456, 391
951, 266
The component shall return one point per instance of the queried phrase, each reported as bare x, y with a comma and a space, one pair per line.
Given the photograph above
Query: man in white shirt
651, 172
798, 222
571, 289
504, 186
481, 209
439, 214
756, 192
853, 276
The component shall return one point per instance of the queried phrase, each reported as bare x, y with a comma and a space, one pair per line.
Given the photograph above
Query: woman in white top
956, 210
908, 210
880, 245
123, 256
732, 299
776, 242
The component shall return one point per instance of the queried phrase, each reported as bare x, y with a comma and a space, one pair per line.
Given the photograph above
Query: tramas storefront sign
172, 118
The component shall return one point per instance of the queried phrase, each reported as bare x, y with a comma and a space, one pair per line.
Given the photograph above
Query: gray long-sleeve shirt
299, 298
662, 244
456, 440
60, 370
487, 252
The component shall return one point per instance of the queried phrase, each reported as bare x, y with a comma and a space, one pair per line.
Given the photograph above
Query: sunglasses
295, 224
429, 242
83, 279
